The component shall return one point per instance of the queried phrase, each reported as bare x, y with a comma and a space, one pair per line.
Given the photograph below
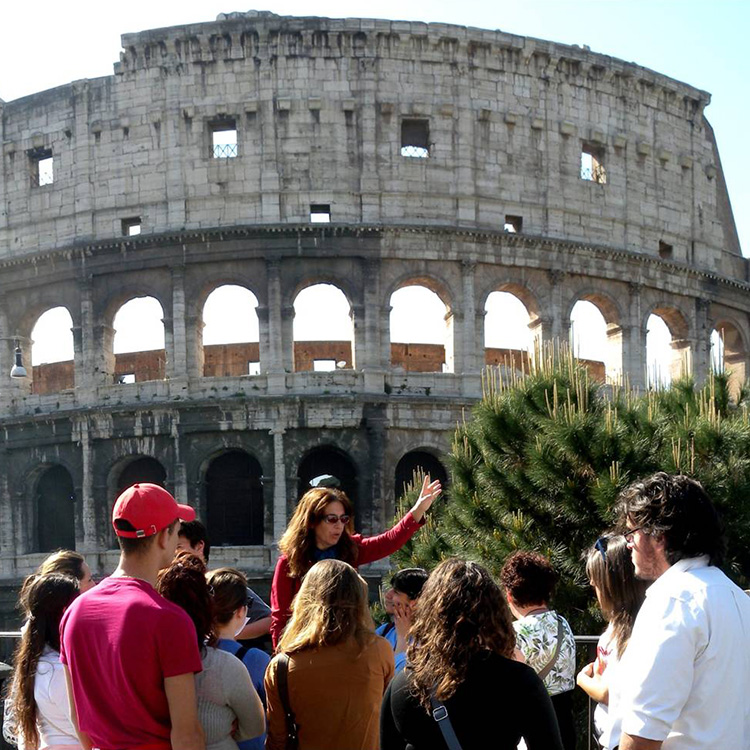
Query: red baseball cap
149, 509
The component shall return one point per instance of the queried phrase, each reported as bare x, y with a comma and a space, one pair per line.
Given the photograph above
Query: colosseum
277, 153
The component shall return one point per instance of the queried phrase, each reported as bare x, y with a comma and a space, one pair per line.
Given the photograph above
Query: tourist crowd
160, 654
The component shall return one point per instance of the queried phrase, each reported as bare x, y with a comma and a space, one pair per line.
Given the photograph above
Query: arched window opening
418, 461
323, 330
230, 333
234, 499
728, 354
596, 342
52, 353
421, 331
144, 469
139, 341
327, 460
508, 340
660, 355
55, 510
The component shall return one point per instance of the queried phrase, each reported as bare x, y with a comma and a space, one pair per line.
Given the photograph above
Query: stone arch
422, 356
328, 459
612, 341
527, 327
232, 484
733, 351
51, 357
325, 351
679, 360
135, 363
54, 504
241, 354
418, 459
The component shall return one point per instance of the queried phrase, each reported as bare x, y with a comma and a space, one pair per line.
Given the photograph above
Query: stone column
359, 355
287, 338
279, 485
264, 337
89, 542
701, 343
465, 185
380, 512
104, 357
8, 533
274, 367
177, 353
556, 324
372, 360
634, 364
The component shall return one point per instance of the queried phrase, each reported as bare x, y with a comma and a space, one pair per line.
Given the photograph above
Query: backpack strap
282, 677
241, 651
551, 663
440, 714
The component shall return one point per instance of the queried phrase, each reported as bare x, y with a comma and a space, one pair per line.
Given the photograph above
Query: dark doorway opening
418, 461
144, 469
234, 500
327, 460
55, 509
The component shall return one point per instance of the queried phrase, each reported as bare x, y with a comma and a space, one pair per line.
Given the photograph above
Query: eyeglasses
601, 546
630, 533
332, 518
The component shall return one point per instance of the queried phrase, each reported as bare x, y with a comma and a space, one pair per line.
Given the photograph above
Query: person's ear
162, 537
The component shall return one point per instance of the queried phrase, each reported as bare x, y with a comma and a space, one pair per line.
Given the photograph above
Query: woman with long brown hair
336, 667
322, 528
461, 661
39, 695
620, 595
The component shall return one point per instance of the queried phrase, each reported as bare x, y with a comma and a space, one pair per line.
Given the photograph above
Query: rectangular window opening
253, 368
324, 365
131, 227
42, 167
320, 213
592, 164
513, 224
223, 139
665, 250
415, 138
126, 378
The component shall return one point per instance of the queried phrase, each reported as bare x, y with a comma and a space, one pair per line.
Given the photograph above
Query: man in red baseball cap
130, 655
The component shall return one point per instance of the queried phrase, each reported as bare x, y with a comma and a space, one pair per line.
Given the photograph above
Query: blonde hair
298, 540
330, 608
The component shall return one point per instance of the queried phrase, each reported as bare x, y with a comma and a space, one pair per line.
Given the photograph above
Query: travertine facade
321, 110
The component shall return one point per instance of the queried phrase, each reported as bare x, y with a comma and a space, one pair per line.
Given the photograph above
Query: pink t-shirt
120, 640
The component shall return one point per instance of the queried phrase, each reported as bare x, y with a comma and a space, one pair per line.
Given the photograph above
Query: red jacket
284, 588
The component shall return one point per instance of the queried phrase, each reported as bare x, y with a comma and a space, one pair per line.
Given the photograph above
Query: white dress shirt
685, 676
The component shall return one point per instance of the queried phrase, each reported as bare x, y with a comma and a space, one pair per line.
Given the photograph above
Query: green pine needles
541, 461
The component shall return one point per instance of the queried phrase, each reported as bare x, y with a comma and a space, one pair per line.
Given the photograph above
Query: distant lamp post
18, 370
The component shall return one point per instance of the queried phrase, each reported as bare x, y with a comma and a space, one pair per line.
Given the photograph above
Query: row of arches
421, 336
232, 489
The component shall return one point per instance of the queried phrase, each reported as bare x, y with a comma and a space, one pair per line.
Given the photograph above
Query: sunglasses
332, 518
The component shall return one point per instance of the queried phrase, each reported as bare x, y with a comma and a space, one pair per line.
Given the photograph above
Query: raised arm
187, 732
373, 548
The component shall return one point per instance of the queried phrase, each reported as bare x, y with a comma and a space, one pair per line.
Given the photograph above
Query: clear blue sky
704, 44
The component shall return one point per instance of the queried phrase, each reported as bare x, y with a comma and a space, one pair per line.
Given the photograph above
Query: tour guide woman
322, 528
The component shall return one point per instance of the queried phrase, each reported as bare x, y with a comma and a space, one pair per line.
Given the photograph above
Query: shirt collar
681, 566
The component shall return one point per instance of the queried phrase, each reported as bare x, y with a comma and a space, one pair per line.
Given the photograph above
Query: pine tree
541, 461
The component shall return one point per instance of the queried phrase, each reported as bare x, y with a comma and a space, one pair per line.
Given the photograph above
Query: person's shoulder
256, 657
379, 645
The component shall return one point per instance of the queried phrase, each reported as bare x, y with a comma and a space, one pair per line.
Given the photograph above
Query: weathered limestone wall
318, 106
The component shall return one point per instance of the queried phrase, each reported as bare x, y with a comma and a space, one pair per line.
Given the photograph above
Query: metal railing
224, 151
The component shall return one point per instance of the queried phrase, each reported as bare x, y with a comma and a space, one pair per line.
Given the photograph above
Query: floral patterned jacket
536, 637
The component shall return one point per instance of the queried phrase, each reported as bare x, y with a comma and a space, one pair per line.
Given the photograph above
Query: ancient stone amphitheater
462, 160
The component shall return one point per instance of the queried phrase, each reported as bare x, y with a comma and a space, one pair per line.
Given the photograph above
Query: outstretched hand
430, 492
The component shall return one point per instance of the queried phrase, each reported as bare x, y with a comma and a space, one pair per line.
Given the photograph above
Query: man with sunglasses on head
686, 672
